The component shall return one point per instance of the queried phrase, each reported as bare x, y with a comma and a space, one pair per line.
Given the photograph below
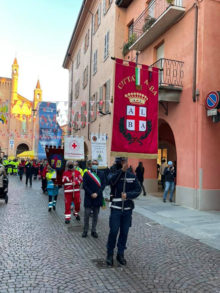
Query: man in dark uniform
124, 188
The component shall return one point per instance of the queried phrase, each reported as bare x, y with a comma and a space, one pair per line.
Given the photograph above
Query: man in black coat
124, 188
29, 170
93, 184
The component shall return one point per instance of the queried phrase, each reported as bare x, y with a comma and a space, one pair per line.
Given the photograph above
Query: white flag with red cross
136, 118
74, 148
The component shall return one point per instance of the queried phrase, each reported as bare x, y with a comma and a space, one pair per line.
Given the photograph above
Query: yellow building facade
17, 115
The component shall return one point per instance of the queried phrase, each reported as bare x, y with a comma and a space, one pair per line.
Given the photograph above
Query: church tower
15, 68
37, 95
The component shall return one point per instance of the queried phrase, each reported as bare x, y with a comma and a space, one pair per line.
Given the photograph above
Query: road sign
11, 142
212, 100
212, 112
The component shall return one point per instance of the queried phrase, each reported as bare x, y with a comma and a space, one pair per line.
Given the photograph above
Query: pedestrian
21, 167
93, 184
124, 188
43, 177
52, 188
71, 180
29, 171
140, 176
162, 168
169, 174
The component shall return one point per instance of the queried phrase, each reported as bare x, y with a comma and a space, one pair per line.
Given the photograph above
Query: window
104, 97
78, 59
151, 8
106, 5
130, 30
83, 115
96, 20
93, 107
77, 86
106, 47
95, 56
85, 77
24, 125
86, 42
76, 122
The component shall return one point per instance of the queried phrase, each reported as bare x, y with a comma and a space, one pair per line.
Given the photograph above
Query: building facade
17, 115
180, 38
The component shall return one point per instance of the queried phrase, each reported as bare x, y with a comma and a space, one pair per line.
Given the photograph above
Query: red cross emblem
74, 145
136, 118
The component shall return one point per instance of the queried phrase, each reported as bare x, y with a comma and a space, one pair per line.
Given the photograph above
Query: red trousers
69, 198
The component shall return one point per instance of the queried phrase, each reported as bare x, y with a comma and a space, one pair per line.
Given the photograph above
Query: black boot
109, 260
49, 209
84, 234
54, 208
120, 258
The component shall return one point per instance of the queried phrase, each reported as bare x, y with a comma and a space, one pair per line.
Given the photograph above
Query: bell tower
37, 95
15, 68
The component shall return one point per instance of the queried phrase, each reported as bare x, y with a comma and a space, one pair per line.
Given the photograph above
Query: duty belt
111, 204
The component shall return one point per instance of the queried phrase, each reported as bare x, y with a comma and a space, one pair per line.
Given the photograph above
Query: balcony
155, 20
170, 79
123, 3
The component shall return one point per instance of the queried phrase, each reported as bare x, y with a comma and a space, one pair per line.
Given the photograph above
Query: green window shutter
100, 98
107, 98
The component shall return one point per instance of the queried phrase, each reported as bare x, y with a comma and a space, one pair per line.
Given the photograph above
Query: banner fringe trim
132, 155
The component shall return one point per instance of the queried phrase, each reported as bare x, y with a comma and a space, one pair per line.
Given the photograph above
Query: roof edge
73, 35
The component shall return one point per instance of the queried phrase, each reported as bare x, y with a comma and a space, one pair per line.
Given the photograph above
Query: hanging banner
49, 130
135, 128
98, 146
74, 148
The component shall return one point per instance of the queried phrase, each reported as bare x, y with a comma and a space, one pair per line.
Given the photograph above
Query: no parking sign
212, 101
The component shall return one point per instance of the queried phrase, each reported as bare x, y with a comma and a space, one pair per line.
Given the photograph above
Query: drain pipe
194, 94
90, 77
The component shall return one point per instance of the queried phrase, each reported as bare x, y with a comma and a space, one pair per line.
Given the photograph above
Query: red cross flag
73, 148
135, 129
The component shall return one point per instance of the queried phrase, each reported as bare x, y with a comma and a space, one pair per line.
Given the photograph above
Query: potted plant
148, 23
127, 45
171, 2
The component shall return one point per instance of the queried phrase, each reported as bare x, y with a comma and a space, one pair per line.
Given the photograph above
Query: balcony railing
170, 72
154, 21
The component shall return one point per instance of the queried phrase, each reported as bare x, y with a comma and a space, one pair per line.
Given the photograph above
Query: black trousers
94, 218
143, 188
29, 177
44, 184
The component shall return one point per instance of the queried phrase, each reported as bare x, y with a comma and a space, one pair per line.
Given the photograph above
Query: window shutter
99, 14
107, 45
93, 24
107, 101
95, 106
96, 56
104, 7
100, 98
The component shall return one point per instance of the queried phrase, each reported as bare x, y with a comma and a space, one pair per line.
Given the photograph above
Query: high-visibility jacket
52, 189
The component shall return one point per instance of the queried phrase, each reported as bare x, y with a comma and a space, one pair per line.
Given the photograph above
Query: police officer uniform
121, 211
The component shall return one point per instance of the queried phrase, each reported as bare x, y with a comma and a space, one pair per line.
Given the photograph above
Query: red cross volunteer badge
135, 111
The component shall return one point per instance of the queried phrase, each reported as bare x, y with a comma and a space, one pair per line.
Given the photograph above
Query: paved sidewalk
39, 253
200, 225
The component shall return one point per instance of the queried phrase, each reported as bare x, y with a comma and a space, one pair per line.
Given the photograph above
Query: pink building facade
183, 40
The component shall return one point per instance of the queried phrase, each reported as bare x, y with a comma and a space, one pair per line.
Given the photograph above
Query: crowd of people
124, 186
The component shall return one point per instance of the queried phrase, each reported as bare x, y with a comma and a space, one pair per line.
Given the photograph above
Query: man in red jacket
71, 180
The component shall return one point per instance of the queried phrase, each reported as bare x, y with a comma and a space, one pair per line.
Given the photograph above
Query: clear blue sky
37, 32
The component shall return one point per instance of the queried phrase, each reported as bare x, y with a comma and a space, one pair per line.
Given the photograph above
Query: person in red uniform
71, 180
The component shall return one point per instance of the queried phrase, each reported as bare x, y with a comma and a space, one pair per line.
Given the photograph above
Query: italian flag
137, 76
95, 178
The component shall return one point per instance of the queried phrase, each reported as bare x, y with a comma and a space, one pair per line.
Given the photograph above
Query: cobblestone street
39, 253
